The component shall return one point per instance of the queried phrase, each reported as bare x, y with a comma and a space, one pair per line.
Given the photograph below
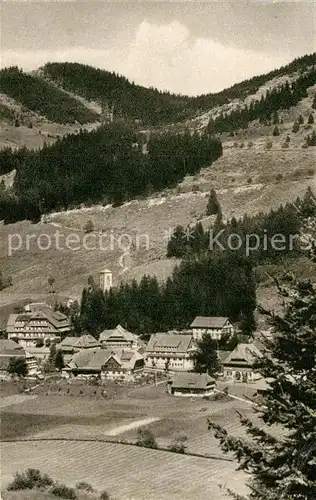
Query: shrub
285, 145
249, 180
178, 446
268, 145
146, 439
63, 491
88, 227
242, 145
82, 485
104, 496
279, 177
30, 479
250, 144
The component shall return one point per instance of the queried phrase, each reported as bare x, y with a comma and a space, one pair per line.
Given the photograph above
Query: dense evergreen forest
218, 284
151, 106
107, 165
40, 93
279, 98
43, 98
286, 221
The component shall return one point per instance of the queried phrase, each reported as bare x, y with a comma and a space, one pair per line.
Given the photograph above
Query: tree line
213, 285
149, 105
106, 165
282, 97
285, 221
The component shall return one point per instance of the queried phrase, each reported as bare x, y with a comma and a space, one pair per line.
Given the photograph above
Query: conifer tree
205, 358
275, 118
276, 131
310, 119
300, 120
283, 466
213, 205
295, 128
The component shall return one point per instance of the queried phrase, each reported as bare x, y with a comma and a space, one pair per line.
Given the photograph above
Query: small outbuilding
191, 384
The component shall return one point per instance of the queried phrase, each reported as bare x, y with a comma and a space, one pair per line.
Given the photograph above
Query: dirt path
133, 425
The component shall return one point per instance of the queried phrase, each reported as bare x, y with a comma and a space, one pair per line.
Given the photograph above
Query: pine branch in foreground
282, 463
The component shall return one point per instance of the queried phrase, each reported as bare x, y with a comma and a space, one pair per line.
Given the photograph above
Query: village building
215, 326
71, 345
238, 365
119, 337
12, 350
166, 352
105, 363
191, 384
38, 323
125, 363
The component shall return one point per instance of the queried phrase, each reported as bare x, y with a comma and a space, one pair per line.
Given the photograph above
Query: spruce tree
276, 131
275, 118
300, 120
59, 360
296, 127
205, 358
213, 206
283, 465
310, 119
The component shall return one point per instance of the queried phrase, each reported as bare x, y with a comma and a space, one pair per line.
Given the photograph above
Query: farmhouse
123, 363
10, 349
71, 345
169, 352
191, 384
215, 326
238, 365
120, 338
39, 323
104, 363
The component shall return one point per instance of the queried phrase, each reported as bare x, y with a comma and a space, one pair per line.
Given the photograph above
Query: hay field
126, 472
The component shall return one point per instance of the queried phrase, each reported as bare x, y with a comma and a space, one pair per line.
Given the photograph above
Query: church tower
105, 280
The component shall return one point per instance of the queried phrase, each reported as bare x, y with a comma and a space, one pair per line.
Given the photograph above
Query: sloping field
126, 472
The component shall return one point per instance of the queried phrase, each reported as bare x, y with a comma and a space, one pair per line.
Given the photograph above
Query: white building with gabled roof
215, 326
169, 352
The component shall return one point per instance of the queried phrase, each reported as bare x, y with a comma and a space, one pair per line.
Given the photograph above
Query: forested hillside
266, 109
106, 165
150, 106
45, 99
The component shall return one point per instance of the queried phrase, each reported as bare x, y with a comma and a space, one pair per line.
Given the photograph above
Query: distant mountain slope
149, 105
39, 96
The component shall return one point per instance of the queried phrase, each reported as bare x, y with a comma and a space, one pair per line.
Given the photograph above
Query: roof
94, 359
68, 342
86, 341
118, 333
243, 354
192, 381
56, 321
106, 271
173, 343
10, 348
209, 322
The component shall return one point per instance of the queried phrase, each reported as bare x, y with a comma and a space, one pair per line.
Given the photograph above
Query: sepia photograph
157, 250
